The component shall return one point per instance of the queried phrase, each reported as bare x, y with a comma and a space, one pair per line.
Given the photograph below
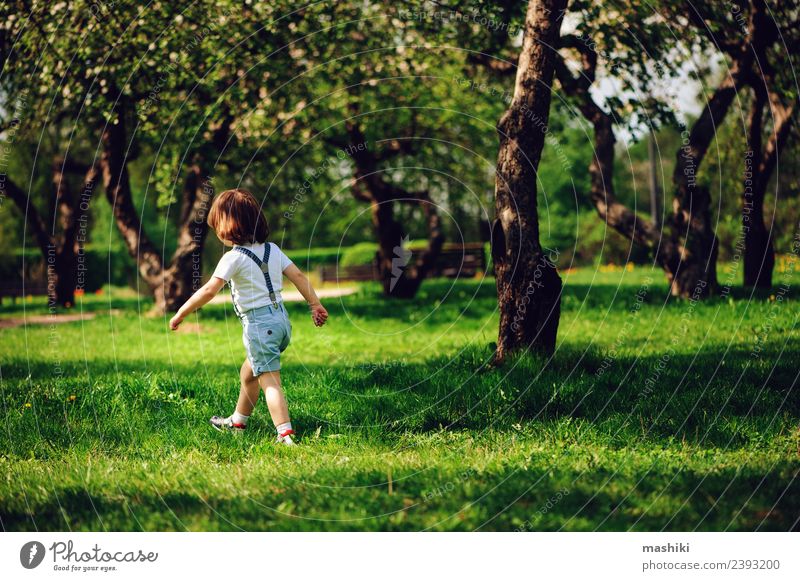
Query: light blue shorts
267, 332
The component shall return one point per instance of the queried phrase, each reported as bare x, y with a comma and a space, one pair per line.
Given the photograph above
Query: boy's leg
270, 382
248, 393
248, 396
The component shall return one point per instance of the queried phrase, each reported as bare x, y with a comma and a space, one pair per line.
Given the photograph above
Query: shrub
358, 254
310, 258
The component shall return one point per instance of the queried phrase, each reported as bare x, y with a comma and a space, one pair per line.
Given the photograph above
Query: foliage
284, 77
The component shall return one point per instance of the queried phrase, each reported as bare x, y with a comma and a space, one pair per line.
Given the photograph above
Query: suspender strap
263, 264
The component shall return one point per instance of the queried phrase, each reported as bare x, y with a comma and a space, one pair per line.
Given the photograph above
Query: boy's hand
175, 322
318, 314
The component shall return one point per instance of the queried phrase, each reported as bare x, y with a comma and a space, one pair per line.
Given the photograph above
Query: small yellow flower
73, 397
27, 406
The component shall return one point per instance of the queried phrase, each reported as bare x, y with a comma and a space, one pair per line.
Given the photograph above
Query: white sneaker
286, 438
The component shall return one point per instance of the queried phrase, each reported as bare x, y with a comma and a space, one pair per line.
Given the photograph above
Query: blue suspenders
263, 264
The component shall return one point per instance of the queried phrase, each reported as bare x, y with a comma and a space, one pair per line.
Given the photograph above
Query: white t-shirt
248, 287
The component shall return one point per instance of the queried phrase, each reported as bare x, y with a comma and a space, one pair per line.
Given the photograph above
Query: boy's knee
246, 373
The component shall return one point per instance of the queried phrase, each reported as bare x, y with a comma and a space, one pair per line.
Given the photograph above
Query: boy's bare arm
301, 282
204, 294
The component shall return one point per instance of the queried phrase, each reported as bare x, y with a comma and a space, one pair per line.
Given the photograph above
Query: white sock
238, 418
282, 428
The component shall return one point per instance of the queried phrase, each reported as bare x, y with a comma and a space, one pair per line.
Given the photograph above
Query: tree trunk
392, 254
759, 251
61, 273
73, 210
655, 189
114, 167
173, 284
688, 250
46, 242
528, 285
759, 254
399, 277
60, 254
695, 274
185, 275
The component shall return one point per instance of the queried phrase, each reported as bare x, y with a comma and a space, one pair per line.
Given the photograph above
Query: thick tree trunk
185, 275
114, 167
528, 285
61, 273
695, 275
73, 210
759, 254
392, 257
759, 251
173, 284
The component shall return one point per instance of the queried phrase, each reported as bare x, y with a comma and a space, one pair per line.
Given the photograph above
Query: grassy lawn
653, 415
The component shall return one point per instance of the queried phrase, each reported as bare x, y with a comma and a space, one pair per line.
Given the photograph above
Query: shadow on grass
643, 498
697, 398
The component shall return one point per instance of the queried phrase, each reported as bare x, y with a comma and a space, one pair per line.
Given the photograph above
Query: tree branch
691, 154
32, 217
601, 169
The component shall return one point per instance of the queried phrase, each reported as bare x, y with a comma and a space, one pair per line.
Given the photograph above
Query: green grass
650, 418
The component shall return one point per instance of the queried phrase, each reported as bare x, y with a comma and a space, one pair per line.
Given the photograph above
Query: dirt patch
193, 328
43, 320
11, 322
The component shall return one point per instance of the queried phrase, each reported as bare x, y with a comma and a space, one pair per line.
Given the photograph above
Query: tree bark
528, 285
171, 285
695, 274
184, 274
653, 185
73, 210
59, 253
114, 167
759, 251
399, 276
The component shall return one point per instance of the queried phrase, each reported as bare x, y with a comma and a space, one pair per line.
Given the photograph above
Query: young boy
254, 268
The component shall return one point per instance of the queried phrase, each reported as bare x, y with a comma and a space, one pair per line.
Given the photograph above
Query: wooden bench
454, 261
460, 260
16, 289
361, 272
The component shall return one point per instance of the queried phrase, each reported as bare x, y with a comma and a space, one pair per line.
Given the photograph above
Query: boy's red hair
236, 215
